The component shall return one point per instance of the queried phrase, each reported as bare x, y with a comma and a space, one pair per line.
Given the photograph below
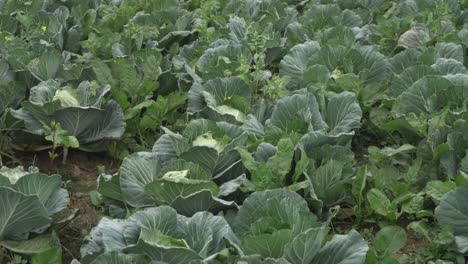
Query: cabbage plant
208, 144
160, 235
315, 120
221, 99
30, 203
144, 181
276, 226
10, 93
82, 112
453, 211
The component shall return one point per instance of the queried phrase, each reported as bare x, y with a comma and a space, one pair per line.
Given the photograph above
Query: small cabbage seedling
59, 138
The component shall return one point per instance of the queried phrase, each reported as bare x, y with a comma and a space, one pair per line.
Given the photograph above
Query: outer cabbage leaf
343, 113
31, 199
223, 61
428, 95
226, 99
36, 245
350, 248
370, 65
114, 257
402, 82
11, 94
330, 181
108, 235
20, 214
297, 113
298, 59
304, 247
47, 189
136, 171
453, 211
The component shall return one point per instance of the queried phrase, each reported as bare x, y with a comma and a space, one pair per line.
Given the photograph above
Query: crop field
233, 131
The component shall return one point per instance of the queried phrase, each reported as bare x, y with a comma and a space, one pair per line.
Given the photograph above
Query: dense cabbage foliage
250, 131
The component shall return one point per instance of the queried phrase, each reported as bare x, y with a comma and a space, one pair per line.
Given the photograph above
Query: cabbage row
247, 129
